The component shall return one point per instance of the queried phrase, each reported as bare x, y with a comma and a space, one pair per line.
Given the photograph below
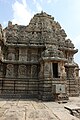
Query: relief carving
47, 70
34, 55
22, 71
41, 70
71, 73
11, 56
10, 70
34, 70
63, 72
28, 70
22, 54
46, 67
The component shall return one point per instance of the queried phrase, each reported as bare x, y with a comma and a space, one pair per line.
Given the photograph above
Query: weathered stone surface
10, 70
22, 71
33, 55
11, 109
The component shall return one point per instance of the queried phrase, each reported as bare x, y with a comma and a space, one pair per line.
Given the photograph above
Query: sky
66, 12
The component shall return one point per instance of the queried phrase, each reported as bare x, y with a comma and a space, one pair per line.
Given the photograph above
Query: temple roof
42, 30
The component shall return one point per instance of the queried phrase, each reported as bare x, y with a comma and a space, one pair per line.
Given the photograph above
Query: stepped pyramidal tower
37, 60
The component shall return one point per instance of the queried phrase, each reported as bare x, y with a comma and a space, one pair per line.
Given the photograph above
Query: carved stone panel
70, 73
22, 71
47, 69
59, 69
23, 54
28, 70
11, 56
10, 70
29, 55
11, 53
34, 71
34, 55
1, 70
41, 71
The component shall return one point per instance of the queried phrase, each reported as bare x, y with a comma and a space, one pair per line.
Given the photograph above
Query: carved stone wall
71, 73
41, 71
47, 69
22, 54
22, 71
29, 55
11, 54
10, 70
35, 57
28, 71
34, 71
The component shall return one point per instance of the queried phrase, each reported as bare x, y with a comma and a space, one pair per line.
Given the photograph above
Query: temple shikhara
37, 60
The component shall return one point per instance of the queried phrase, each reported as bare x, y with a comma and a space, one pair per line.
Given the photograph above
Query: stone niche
22, 54
34, 71
22, 71
11, 54
34, 53
9, 70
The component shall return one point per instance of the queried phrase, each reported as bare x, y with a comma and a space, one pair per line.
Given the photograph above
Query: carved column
45, 81
47, 70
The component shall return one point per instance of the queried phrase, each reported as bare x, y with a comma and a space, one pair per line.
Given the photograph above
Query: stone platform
11, 109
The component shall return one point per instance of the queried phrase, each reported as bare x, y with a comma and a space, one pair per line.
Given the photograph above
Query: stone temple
37, 60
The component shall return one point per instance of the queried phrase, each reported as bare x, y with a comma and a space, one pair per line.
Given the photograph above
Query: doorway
55, 70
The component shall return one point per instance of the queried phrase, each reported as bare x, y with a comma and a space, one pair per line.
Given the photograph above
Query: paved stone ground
36, 110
